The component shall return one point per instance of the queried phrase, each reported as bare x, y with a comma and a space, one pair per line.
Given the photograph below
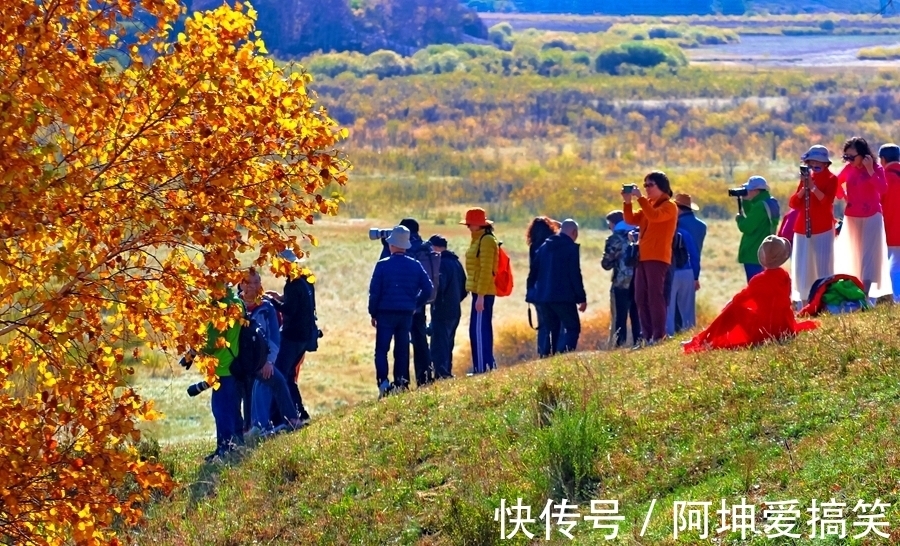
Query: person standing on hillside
622, 303
398, 288
446, 311
813, 257
861, 250
758, 219
889, 154
682, 310
558, 284
656, 220
482, 263
419, 250
538, 231
298, 311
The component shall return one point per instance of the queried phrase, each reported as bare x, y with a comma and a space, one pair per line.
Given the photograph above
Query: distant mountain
297, 27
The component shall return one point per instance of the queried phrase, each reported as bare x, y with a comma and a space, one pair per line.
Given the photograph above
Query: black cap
410, 224
437, 240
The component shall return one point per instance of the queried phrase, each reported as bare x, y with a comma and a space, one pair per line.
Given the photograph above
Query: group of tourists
654, 252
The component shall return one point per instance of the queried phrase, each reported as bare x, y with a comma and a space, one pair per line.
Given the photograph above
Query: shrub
658, 33
332, 64
827, 25
500, 34
385, 64
581, 57
561, 44
639, 55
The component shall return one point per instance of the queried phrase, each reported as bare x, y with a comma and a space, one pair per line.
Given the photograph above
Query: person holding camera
889, 154
398, 288
813, 233
656, 220
758, 217
269, 383
539, 229
861, 249
226, 402
298, 330
423, 252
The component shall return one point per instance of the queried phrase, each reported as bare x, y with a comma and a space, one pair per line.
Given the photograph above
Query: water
796, 51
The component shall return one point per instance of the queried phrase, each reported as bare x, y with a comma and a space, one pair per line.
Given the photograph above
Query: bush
332, 64
582, 57
385, 64
827, 25
663, 33
500, 34
642, 55
561, 44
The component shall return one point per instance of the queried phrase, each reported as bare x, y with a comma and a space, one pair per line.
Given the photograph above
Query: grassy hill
813, 419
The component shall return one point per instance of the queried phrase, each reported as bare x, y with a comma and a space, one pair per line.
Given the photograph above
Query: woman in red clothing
860, 250
889, 154
813, 256
759, 313
657, 220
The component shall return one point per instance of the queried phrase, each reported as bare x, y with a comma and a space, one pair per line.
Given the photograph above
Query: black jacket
451, 288
298, 310
556, 272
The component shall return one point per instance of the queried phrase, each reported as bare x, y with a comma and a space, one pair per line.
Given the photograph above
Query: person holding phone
861, 249
813, 252
656, 220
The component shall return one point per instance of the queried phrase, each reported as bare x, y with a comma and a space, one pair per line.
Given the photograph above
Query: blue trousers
392, 326
683, 299
481, 336
753, 270
226, 410
263, 391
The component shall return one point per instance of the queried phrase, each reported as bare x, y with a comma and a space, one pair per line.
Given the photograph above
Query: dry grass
341, 373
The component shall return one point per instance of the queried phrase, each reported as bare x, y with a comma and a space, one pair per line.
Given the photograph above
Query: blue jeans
481, 336
263, 392
392, 326
289, 354
753, 270
226, 410
683, 299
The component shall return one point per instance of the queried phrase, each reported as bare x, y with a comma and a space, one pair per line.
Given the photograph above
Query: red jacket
890, 204
821, 212
760, 312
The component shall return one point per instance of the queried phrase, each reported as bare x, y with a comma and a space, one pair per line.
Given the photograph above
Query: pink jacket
863, 191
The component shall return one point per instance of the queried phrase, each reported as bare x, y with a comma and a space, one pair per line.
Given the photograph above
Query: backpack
773, 212
503, 277
431, 263
253, 350
680, 256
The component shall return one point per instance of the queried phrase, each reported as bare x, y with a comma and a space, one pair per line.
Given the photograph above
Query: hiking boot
384, 388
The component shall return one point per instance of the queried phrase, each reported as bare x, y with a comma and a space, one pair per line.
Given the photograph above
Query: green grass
815, 418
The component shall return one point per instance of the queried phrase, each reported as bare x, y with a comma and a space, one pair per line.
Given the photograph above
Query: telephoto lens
375, 234
197, 388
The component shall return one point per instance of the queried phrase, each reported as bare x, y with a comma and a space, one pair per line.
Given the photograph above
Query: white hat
399, 237
756, 183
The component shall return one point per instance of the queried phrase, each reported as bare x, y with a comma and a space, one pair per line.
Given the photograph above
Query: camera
188, 359
197, 388
375, 234
629, 188
804, 170
737, 192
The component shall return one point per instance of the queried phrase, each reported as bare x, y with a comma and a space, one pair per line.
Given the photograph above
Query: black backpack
431, 263
680, 256
253, 350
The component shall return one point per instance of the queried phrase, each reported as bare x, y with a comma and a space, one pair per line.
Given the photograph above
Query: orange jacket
657, 222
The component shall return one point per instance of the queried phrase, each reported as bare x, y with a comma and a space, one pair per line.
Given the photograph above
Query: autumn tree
128, 195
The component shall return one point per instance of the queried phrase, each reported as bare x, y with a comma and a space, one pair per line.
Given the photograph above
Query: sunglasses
848, 157
649, 184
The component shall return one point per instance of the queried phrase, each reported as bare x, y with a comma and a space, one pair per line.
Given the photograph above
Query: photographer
861, 249
269, 382
813, 250
298, 330
758, 218
656, 220
226, 403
